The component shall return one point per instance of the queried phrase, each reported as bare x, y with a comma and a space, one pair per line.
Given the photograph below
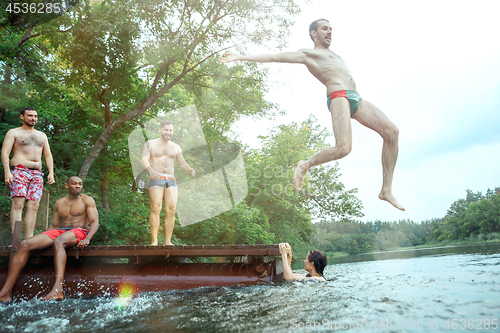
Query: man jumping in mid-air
343, 102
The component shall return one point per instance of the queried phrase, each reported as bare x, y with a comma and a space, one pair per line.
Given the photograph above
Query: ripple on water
416, 290
49, 324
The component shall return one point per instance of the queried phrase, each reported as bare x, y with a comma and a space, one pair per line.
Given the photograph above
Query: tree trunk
5, 91
116, 124
104, 190
103, 140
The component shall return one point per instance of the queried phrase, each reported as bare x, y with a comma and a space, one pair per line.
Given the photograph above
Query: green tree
134, 58
270, 170
107, 66
466, 217
458, 208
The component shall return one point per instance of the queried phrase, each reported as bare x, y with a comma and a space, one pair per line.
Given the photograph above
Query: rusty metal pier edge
103, 270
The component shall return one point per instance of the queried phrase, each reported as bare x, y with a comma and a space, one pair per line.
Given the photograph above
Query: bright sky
433, 68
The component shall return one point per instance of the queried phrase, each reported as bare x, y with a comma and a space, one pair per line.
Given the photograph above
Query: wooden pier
232, 250
101, 270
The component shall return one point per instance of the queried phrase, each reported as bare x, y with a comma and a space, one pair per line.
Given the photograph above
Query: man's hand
192, 171
50, 178
84, 242
282, 248
285, 248
229, 57
154, 174
9, 178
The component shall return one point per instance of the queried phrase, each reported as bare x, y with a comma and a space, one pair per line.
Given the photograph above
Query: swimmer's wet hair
314, 26
318, 258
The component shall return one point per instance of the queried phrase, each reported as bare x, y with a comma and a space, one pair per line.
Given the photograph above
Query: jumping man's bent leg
372, 117
341, 123
19, 260
170, 196
61, 242
156, 197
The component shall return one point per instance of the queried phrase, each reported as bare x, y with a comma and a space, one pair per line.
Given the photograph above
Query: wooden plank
209, 250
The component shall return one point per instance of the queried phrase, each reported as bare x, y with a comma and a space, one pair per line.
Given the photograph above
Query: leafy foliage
472, 218
106, 67
475, 214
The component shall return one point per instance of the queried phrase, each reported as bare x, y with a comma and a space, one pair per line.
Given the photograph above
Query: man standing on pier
23, 173
158, 158
343, 102
70, 226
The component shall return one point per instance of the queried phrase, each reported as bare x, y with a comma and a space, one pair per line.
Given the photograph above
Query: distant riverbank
446, 243
441, 248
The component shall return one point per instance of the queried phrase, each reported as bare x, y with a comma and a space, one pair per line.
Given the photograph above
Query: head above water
314, 26
318, 259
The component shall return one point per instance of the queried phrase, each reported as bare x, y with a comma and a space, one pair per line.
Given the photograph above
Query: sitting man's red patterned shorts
28, 183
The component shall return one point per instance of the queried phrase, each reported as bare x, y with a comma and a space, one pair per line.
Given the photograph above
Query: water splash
398, 290
126, 292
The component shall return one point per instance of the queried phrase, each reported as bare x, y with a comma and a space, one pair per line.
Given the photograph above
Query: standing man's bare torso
28, 148
163, 156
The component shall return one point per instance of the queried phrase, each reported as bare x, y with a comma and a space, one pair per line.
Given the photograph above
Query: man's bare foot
154, 243
54, 295
298, 175
391, 199
5, 299
168, 243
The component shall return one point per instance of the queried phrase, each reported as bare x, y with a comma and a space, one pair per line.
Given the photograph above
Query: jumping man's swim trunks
80, 233
27, 183
166, 180
351, 95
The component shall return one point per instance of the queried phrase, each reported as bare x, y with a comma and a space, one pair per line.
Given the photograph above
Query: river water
453, 289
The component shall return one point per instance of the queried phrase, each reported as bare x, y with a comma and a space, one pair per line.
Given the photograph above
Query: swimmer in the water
314, 264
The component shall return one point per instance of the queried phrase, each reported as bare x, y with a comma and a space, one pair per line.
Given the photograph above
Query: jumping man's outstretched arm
286, 57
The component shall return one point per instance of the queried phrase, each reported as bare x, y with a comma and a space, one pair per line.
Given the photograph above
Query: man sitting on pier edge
70, 226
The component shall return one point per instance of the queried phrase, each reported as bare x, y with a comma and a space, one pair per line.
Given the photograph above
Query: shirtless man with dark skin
158, 158
23, 173
70, 226
343, 102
